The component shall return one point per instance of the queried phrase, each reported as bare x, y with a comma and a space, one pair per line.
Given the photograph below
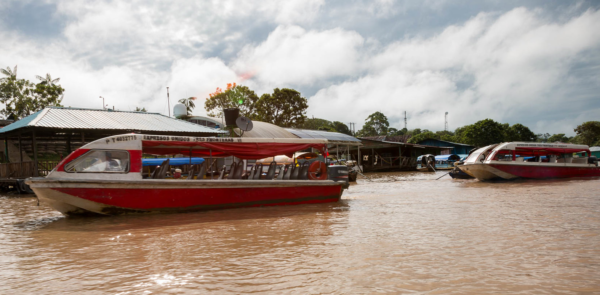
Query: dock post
6, 149
35, 158
20, 148
20, 155
69, 143
359, 158
347, 153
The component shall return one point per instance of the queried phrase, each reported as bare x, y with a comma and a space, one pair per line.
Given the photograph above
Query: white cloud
521, 65
198, 77
512, 68
294, 56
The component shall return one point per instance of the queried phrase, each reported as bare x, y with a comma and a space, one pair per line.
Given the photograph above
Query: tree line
481, 133
284, 107
22, 97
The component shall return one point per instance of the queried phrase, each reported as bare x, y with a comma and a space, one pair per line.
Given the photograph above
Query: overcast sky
530, 62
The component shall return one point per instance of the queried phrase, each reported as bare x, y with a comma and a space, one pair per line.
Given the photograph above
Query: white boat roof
539, 145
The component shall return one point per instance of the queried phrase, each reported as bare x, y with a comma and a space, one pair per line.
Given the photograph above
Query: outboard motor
593, 160
428, 161
338, 173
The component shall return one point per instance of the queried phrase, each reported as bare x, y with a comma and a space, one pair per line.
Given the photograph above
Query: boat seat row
289, 171
237, 170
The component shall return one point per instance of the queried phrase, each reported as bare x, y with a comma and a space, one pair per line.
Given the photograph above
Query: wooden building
455, 148
377, 154
35, 144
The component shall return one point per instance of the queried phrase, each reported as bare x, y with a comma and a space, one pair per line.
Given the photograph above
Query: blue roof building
455, 148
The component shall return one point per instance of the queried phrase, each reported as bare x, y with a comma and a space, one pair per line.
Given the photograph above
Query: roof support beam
35, 158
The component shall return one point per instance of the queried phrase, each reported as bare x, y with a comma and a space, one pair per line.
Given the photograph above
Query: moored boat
105, 176
513, 160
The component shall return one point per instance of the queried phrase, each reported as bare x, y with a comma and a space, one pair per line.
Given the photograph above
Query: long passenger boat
105, 176
513, 160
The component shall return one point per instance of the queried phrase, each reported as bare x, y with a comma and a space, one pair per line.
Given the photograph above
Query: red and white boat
513, 160
105, 177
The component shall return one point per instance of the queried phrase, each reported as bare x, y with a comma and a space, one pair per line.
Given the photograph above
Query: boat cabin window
96, 161
503, 155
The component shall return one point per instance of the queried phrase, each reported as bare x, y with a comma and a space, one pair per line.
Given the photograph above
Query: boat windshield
100, 161
477, 155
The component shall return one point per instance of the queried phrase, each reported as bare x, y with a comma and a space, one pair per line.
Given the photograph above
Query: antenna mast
168, 102
446, 122
405, 121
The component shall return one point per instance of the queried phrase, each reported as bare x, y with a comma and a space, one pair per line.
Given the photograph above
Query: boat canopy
450, 157
242, 148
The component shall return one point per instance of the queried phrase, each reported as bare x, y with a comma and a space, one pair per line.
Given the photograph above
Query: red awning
242, 150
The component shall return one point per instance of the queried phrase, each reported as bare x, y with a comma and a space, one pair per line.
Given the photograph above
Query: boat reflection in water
105, 176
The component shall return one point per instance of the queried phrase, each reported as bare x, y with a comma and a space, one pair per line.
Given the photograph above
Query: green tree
422, 136
445, 135
376, 124
484, 132
542, 137
519, 132
559, 138
10, 74
341, 127
220, 100
189, 104
138, 109
21, 98
315, 124
458, 134
48, 79
414, 132
588, 133
284, 107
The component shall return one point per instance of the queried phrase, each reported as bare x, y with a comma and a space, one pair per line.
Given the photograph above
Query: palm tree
189, 104
48, 79
10, 73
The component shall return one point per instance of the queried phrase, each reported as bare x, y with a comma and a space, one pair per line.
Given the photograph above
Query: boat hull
548, 171
123, 197
486, 171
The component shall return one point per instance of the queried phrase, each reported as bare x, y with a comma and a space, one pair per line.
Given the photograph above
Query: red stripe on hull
203, 198
548, 171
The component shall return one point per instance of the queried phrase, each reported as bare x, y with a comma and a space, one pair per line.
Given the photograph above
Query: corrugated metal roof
266, 130
72, 118
595, 149
330, 136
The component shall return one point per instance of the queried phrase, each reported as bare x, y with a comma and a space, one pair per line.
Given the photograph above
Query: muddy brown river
399, 233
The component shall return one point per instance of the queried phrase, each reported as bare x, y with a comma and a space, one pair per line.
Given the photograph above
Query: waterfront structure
453, 147
386, 153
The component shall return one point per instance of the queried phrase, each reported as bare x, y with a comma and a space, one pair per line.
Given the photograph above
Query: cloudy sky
530, 62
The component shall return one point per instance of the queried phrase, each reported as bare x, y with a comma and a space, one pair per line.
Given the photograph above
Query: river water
399, 233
